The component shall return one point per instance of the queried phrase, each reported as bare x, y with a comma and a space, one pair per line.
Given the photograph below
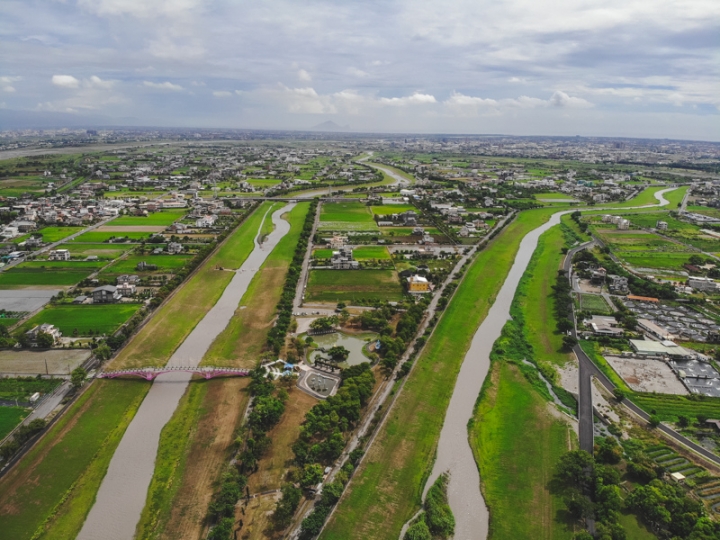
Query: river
122, 494
454, 454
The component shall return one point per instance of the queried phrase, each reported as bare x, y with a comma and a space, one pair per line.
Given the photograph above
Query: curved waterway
122, 494
454, 454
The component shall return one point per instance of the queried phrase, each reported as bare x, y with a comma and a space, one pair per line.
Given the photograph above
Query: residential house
343, 260
107, 294
418, 285
42, 329
174, 248
59, 255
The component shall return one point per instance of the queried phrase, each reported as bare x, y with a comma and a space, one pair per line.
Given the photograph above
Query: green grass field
18, 277
71, 459
55, 266
100, 319
9, 418
385, 491
359, 254
556, 195
172, 322
164, 217
392, 209
348, 216
659, 260
353, 286
165, 264
645, 197
55, 234
517, 443
95, 237
594, 303
102, 251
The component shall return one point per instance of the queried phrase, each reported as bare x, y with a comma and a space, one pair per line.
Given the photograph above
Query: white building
702, 284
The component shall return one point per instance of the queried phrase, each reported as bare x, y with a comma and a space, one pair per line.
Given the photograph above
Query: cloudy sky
643, 68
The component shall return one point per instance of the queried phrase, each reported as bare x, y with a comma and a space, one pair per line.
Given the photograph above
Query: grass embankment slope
174, 320
517, 443
242, 341
515, 437
386, 490
407, 176
49, 493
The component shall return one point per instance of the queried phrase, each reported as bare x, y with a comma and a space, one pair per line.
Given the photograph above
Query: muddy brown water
454, 454
122, 494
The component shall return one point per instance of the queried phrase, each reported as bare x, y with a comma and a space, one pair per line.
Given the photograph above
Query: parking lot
644, 375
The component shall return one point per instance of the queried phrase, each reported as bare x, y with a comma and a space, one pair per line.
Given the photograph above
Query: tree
418, 531
619, 393
45, 340
312, 475
683, 421
572, 466
103, 352
286, 506
338, 353
78, 376
654, 420
569, 342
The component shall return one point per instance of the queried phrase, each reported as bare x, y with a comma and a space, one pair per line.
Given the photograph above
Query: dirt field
224, 405
59, 361
647, 375
131, 228
272, 467
255, 517
242, 341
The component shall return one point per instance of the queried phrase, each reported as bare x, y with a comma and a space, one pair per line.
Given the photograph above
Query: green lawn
554, 195
517, 443
54, 234
385, 491
165, 264
164, 217
659, 260
100, 319
347, 216
353, 286
645, 197
102, 251
9, 418
56, 266
71, 459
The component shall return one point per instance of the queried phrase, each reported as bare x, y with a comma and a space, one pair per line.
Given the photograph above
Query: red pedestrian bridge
150, 373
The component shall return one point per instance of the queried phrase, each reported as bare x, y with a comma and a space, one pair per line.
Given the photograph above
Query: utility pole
46, 367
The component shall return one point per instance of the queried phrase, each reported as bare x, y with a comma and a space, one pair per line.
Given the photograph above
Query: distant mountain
330, 126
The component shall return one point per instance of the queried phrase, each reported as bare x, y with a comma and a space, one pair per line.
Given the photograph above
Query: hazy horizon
615, 68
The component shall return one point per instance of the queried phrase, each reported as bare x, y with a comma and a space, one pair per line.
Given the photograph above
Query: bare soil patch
647, 375
59, 361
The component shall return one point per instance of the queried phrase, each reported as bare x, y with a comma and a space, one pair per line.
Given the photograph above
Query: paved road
302, 282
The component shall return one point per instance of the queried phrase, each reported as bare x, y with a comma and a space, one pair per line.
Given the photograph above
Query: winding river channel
122, 494
454, 454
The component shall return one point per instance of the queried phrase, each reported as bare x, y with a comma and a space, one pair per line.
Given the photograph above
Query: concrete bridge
149, 373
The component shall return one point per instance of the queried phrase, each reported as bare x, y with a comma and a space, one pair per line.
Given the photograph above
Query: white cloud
355, 72
416, 99
96, 82
142, 9
166, 86
561, 99
182, 48
462, 105
65, 81
6, 83
222, 93
304, 76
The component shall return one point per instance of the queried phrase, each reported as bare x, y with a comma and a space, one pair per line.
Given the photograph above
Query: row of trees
276, 336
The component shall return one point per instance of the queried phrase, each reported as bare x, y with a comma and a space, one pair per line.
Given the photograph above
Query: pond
354, 344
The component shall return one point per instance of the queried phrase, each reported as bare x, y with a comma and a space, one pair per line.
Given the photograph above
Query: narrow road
304, 272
